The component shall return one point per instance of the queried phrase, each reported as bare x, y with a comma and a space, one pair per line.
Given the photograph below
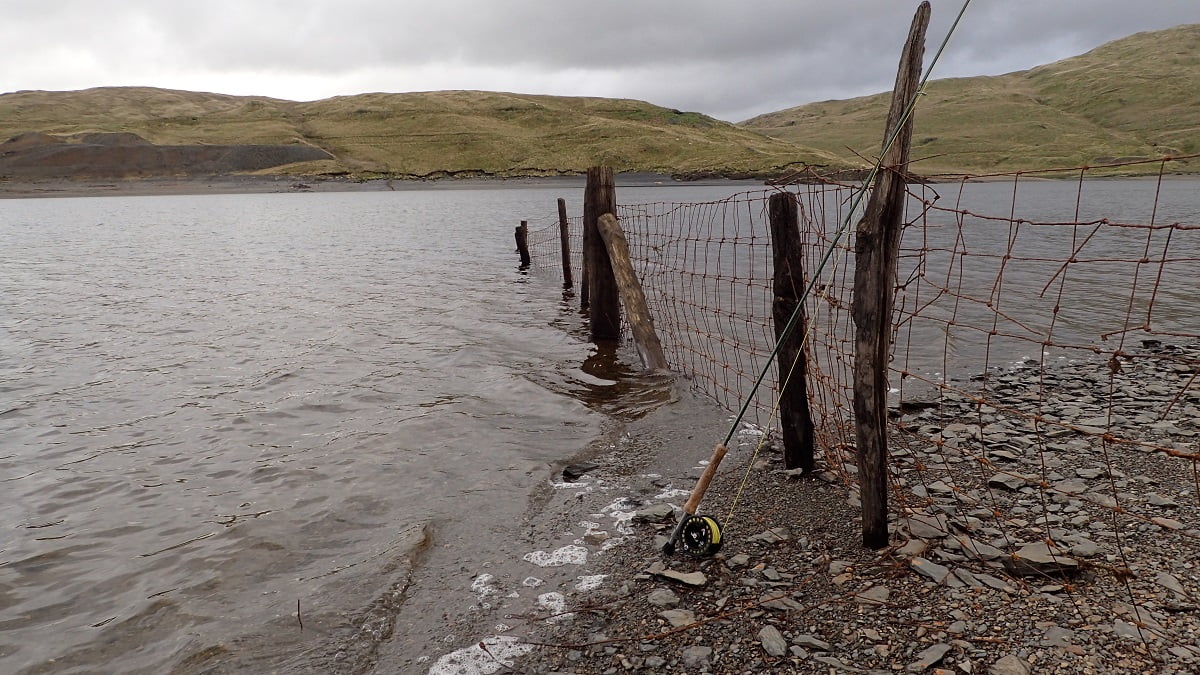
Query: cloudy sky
728, 59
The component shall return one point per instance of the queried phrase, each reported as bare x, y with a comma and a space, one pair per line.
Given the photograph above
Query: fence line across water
1046, 363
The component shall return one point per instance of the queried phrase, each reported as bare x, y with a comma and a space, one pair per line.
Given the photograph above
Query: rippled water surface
210, 406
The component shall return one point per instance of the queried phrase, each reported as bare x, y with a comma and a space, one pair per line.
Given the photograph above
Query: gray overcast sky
731, 60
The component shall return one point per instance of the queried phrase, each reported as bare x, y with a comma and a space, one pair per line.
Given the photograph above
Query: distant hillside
433, 134
1138, 97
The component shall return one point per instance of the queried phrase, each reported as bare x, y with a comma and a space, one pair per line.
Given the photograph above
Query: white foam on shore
555, 603
482, 587
673, 493
590, 582
567, 555
532, 582
488, 656
622, 519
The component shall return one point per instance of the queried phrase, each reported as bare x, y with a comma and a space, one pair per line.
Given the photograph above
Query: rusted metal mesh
1046, 367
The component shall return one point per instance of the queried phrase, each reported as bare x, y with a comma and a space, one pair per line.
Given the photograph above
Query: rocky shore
1055, 529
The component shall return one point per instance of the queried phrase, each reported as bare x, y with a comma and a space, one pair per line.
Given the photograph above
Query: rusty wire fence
1046, 365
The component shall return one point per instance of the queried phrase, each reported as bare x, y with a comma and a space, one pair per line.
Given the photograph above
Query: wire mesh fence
1045, 373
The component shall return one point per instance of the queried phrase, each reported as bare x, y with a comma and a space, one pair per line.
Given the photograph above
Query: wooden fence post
640, 321
564, 234
604, 307
875, 251
522, 235
794, 415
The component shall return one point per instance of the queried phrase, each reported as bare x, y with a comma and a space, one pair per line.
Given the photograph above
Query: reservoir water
248, 432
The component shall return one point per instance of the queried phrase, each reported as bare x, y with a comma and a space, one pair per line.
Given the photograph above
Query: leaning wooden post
875, 250
522, 235
791, 332
632, 296
604, 306
564, 234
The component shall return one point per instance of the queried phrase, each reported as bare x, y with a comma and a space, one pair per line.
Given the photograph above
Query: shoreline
793, 591
233, 184
253, 184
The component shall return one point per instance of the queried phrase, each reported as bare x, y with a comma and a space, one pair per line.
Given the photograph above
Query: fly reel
700, 536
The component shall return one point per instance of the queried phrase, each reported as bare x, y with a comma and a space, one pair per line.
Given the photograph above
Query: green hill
1138, 97
428, 134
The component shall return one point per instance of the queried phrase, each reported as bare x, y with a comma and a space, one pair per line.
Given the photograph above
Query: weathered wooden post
791, 332
522, 235
638, 310
875, 251
604, 306
564, 234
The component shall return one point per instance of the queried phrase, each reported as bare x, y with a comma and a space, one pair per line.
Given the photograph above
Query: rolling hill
415, 135
1138, 97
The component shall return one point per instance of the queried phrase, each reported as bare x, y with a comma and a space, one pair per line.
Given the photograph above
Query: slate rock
697, 656
656, 513
688, 578
772, 641
1010, 664
573, 472
937, 573
663, 597
679, 617
1039, 560
929, 658
810, 642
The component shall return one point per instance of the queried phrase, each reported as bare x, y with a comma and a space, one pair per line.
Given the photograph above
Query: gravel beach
1025, 540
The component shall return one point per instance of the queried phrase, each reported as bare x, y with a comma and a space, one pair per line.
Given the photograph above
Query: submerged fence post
875, 251
794, 415
641, 323
564, 234
604, 307
522, 235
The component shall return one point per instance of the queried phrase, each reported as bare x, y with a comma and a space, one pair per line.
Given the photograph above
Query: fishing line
706, 537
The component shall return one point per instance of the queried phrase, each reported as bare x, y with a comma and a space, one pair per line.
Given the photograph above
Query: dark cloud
730, 60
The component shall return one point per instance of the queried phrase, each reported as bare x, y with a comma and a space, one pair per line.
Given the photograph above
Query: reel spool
700, 536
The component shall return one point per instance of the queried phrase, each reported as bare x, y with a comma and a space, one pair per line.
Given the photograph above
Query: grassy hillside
1135, 97
421, 134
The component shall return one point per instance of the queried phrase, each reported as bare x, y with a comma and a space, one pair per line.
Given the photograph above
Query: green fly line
855, 204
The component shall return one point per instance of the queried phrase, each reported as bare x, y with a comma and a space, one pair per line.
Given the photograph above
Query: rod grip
693, 501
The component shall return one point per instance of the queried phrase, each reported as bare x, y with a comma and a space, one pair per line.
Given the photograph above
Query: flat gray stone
697, 656
810, 642
1171, 583
1007, 481
1128, 630
978, 549
688, 578
663, 597
927, 527
1155, 499
656, 513
1057, 636
929, 658
912, 548
1039, 560
875, 595
1010, 664
772, 641
780, 601
774, 535
937, 573
679, 617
